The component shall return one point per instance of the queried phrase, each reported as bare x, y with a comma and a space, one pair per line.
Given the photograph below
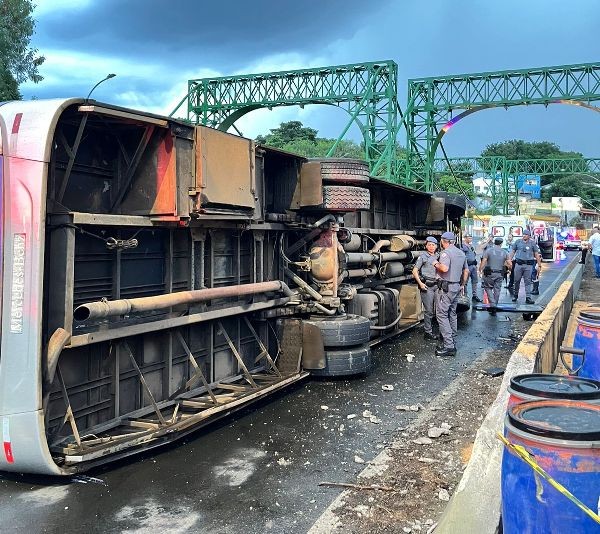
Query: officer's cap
467, 235
526, 232
498, 241
449, 236
431, 239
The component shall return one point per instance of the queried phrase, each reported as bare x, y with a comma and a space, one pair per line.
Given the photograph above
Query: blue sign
530, 184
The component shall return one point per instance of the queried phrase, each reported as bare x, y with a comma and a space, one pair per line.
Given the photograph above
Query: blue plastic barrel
587, 337
539, 386
564, 438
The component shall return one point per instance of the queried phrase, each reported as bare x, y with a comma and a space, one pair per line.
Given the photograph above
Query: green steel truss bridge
500, 175
433, 102
368, 93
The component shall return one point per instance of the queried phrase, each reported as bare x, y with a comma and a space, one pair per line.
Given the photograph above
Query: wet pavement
259, 471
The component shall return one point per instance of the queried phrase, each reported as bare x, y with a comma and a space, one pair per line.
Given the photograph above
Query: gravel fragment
436, 432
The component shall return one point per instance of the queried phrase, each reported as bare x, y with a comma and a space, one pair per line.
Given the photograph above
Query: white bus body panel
27, 130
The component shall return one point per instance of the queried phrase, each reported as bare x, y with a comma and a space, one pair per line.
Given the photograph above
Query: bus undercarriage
158, 276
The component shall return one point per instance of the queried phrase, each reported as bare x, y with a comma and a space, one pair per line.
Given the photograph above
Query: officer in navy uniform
525, 253
493, 268
467, 248
425, 275
452, 274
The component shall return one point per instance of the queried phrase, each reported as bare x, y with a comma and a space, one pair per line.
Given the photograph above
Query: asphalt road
259, 470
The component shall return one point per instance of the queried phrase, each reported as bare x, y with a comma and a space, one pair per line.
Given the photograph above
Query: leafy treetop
18, 62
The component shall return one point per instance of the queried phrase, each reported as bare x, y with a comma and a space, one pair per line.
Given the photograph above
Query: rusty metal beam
198, 374
144, 384
237, 355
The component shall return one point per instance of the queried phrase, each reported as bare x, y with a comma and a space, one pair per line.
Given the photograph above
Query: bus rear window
498, 231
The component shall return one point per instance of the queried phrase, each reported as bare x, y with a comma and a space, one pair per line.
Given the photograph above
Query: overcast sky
154, 47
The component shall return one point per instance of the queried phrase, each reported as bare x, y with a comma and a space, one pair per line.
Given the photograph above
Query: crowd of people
443, 276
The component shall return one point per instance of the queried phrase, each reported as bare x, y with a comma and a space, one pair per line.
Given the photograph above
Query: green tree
18, 62
456, 184
286, 133
519, 149
294, 137
573, 186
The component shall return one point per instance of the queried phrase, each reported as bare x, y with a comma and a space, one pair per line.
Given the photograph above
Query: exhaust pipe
111, 308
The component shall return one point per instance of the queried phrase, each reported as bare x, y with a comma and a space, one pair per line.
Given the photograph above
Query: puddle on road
239, 469
151, 516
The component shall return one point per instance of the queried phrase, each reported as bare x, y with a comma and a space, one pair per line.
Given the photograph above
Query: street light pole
108, 77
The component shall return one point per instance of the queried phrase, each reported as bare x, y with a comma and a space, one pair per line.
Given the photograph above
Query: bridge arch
433, 101
367, 91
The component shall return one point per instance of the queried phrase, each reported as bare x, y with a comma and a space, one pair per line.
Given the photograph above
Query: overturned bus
158, 275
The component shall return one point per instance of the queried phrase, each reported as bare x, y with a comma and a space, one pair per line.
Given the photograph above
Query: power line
458, 184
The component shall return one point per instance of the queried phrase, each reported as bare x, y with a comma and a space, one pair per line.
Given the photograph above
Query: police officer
525, 253
425, 274
452, 274
467, 248
493, 268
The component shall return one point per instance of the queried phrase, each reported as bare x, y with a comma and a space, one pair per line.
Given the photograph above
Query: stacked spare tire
344, 184
346, 343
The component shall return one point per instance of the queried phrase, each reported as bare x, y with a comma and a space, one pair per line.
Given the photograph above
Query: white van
505, 226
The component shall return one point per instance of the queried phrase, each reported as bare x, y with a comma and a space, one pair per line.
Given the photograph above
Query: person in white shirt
594, 246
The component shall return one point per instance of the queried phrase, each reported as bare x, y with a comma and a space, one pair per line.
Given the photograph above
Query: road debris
387, 387
493, 371
411, 408
84, 479
443, 495
357, 486
358, 460
436, 432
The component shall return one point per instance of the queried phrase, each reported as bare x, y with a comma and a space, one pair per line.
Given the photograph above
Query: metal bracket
144, 384
198, 374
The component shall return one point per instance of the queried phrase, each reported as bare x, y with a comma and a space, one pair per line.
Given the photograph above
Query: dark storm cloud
194, 33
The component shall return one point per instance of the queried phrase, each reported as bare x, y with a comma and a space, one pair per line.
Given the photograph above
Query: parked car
572, 243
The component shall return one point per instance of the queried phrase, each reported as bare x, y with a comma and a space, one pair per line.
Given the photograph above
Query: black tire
346, 362
343, 170
345, 198
343, 331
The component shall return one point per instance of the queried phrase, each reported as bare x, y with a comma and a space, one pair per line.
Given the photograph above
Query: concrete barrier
475, 505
